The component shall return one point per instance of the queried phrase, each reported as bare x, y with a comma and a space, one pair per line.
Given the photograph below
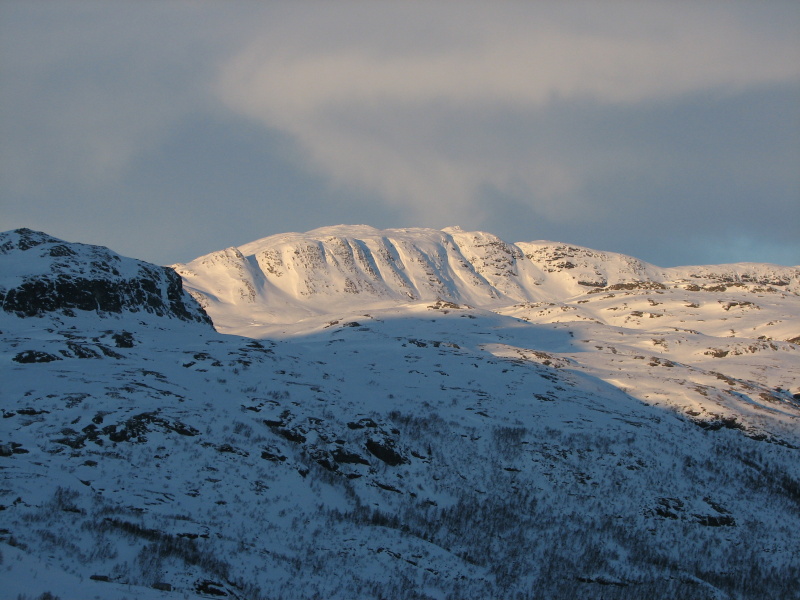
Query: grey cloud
675, 181
86, 86
409, 126
665, 130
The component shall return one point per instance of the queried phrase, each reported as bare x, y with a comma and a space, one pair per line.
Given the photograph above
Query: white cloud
369, 112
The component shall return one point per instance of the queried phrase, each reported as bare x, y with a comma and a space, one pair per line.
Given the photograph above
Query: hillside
659, 334
412, 414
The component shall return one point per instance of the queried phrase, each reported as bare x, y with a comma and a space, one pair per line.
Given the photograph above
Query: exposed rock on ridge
42, 274
311, 273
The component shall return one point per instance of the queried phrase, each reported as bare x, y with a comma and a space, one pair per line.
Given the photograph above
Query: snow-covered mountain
40, 275
402, 414
285, 277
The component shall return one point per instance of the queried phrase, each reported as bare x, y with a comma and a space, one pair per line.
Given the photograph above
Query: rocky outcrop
60, 277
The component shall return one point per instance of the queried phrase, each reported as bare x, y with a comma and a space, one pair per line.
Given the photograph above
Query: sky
165, 130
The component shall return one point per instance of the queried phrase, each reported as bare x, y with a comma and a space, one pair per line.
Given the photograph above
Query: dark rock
27, 239
715, 520
72, 439
717, 424
384, 450
212, 588
133, 428
109, 352
387, 487
81, 351
326, 463
34, 356
181, 428
716, 506
669, 507
442, 304
123, 340
31, 412
90, 280
91, 431
273, 456
228, 449
362, 423
351, 458
73, 400
60, 251
293, 435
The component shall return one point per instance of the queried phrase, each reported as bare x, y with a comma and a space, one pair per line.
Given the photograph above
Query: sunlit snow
402, 414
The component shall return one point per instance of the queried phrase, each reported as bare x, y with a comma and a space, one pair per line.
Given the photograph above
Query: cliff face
288, 277
42, 274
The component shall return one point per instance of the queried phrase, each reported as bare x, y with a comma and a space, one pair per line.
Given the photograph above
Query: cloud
86, 88
504, 56
627, 126
426, 118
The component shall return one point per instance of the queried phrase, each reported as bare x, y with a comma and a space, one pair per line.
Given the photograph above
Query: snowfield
412, 413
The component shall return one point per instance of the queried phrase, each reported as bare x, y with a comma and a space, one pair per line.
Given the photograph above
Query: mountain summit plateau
290, 276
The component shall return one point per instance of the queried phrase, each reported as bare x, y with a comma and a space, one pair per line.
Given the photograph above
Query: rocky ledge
42, 274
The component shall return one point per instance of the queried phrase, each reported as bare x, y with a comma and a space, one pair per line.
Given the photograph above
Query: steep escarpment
42, 274
297, 275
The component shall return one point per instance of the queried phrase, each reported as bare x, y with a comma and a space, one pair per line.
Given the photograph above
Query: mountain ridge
305, 274
42, 274
638, 439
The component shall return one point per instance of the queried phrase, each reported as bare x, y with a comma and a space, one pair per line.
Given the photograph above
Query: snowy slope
285, 276
632, 317
451, 429
281, 278
40, 274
